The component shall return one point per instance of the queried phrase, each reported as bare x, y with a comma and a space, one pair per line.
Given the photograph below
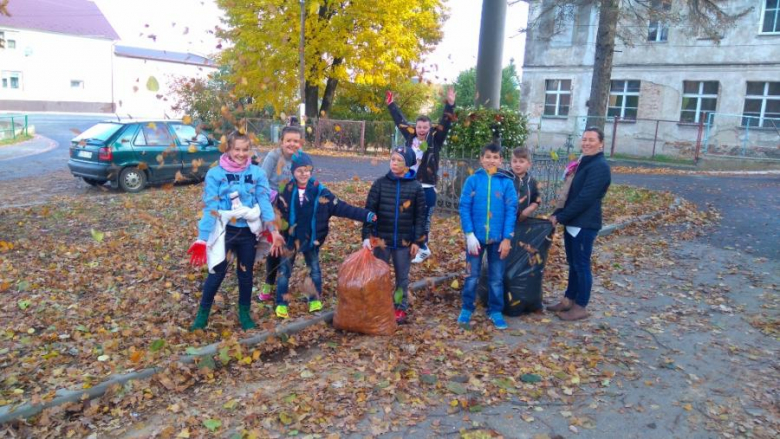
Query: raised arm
446, 118
398, 117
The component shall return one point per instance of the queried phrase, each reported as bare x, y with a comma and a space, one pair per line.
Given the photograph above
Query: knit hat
410, 158
299, 159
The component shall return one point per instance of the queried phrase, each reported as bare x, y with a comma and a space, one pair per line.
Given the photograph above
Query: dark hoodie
399, 203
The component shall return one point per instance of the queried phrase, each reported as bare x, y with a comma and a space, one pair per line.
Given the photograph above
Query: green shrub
475, 128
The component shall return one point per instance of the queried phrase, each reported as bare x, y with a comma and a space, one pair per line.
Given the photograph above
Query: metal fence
454, 172
12, 127
733, 135
362, 137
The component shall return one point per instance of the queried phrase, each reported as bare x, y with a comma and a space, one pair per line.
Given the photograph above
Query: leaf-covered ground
101, 285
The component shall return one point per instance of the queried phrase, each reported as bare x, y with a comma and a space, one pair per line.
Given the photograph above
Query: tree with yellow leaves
361, 42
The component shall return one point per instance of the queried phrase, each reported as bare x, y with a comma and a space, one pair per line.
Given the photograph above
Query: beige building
664, 86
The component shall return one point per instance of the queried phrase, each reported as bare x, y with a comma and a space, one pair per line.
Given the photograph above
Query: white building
662, 87
65, 56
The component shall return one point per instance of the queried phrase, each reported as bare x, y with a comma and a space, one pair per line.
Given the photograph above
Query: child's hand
472, 244
553, 220
451, 96
504, 247
413, 249
388, 97
197, 253
528, 211
278, 242
367, 244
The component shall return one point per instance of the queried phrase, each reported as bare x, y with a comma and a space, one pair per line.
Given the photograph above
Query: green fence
12, 127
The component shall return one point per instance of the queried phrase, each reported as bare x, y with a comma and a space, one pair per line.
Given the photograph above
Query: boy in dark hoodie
399, 202
528, 197
426, 140
307, 206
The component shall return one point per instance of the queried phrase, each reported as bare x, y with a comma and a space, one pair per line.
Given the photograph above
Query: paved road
750, 205
56, 127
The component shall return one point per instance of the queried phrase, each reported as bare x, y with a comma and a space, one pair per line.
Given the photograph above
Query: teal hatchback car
131, 154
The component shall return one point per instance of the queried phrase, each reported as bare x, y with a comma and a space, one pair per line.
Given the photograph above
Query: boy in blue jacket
306, 206
488, 207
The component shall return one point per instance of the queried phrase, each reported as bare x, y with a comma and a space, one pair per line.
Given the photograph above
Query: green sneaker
245, 318
265, 292
315, 305
202, 319
281, 312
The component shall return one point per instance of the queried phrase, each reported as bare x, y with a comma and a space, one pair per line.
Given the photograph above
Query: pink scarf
229, 165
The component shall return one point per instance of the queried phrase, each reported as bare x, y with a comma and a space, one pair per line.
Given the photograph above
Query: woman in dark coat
581, 216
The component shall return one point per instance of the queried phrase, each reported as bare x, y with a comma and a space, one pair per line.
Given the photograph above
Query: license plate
85, 154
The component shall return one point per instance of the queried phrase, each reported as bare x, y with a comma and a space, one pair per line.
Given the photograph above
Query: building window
76, 83
699, 98
658, 28
11, 44
12, 79
623, 99
762, 105
557, 97
770, 17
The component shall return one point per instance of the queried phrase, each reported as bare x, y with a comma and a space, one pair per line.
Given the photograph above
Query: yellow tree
362, 42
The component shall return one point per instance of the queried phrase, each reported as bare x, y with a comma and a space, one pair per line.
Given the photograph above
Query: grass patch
18, 139
658, 158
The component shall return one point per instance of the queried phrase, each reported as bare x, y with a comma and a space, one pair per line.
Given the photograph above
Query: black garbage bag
524, 268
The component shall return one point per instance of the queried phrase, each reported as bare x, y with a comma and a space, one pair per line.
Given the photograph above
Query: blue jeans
430, 203
242, 243
578, 253
496, 267
402, 262
312, 258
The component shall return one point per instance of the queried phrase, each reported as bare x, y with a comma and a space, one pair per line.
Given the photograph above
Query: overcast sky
188, 25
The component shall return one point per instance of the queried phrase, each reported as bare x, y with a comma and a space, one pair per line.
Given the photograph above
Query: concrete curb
611, 228
49, 145
65, 396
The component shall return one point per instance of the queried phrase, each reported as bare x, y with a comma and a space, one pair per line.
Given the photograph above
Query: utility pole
302, 64
491, 52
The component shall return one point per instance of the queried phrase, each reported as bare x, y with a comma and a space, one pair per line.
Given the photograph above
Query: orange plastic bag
365, 296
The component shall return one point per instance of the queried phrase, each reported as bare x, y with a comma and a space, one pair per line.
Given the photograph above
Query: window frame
661, 26
764, 10
79, 84
6, 77
558, 92
624, 94
699, 96
764, 98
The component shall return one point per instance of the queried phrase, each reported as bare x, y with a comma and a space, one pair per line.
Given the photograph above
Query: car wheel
92, 181
132, 180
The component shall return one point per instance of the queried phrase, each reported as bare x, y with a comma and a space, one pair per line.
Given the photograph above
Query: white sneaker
421, 256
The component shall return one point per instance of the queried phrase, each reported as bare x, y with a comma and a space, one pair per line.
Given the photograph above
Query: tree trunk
312, 99
602, 64
330, 88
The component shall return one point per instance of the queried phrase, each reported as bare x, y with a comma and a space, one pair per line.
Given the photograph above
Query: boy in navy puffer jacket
488, 207
399, 202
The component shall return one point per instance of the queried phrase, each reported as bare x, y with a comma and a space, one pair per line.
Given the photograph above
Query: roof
73, 17
163, 55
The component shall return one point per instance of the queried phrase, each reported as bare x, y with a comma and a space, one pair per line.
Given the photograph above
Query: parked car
131, 153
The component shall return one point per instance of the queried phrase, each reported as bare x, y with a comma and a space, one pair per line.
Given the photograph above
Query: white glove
367, 244
472, 243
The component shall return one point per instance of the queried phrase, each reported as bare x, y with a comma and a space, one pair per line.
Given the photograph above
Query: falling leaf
192, 149
152, 84
97, 236
186, 120
157, 345
23, 304
455, 284
212, 424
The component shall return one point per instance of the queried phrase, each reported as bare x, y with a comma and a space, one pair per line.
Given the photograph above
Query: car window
187, 134
127, 135
101, 131
140, 140
155, 134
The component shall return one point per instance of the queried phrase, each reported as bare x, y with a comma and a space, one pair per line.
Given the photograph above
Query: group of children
294, 209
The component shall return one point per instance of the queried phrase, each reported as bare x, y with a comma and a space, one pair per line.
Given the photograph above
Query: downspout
113, 102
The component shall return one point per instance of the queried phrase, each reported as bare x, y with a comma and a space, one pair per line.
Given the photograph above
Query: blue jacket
488, 206
252, 186
588, 188
308, 223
